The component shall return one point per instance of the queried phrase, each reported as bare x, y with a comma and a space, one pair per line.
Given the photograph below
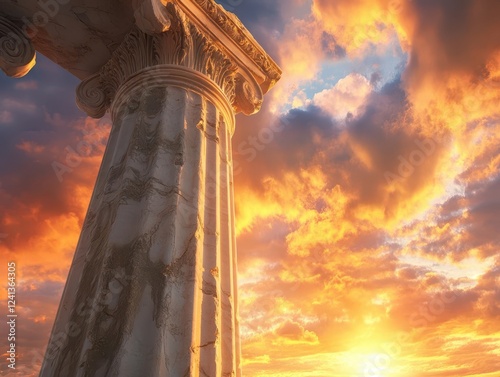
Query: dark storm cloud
388, 153
365, 155
453, 35
270, 146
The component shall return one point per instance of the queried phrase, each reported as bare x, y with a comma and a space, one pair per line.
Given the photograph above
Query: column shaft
151, 291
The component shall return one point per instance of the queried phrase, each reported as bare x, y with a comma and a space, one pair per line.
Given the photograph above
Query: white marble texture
163, 213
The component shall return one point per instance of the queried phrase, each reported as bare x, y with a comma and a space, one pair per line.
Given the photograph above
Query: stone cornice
17, 54
171, 38
150, 17
81, 35
233, 27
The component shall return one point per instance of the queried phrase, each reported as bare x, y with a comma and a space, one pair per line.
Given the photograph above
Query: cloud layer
367, 214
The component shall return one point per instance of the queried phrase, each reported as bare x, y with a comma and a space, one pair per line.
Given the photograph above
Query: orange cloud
367, 244
41, 222
358, 24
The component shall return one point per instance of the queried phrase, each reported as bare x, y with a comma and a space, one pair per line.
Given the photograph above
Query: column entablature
166, 36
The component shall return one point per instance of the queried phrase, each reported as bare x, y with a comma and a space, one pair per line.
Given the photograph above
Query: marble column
152, 290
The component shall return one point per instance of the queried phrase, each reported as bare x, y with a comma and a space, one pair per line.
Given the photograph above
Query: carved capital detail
17, 54
91, 98
233, 27
248, 96
168, 38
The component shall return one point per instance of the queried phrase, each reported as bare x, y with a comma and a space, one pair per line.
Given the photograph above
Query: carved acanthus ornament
17, 54
238, 32
163, 39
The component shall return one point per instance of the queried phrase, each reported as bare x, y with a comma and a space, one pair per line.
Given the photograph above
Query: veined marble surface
162, 215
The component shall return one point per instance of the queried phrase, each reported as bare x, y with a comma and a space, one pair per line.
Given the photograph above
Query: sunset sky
367, 191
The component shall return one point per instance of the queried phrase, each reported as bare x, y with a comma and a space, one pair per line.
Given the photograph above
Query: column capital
194, 34
17, 54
